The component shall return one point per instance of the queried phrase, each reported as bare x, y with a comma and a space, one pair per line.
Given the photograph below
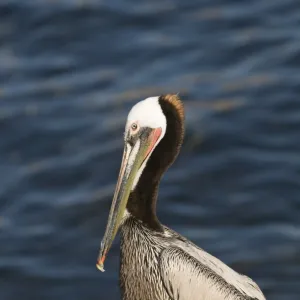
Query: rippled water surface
69, 73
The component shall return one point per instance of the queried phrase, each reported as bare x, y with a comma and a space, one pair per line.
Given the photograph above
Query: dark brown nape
142, 201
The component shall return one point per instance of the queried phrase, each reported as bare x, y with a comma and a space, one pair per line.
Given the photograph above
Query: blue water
69, 73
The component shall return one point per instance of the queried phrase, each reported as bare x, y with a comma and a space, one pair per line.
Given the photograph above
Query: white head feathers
148, 113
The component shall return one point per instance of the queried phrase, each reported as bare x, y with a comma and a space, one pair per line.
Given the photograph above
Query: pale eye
134, 126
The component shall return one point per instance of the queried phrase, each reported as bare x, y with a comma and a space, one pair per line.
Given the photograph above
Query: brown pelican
156, 262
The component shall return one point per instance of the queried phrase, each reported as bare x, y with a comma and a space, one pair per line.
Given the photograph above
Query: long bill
133, 158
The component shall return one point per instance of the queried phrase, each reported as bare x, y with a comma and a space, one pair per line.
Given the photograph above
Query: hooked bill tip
100, 263
100, 266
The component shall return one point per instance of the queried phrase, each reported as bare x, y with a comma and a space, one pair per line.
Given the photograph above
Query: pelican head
146, 127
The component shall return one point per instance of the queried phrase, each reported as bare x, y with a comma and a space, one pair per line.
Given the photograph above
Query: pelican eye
134, 126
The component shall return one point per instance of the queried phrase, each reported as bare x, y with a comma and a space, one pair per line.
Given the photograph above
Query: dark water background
69, 73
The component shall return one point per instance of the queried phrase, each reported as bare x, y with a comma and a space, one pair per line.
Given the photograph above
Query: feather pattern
167, 266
